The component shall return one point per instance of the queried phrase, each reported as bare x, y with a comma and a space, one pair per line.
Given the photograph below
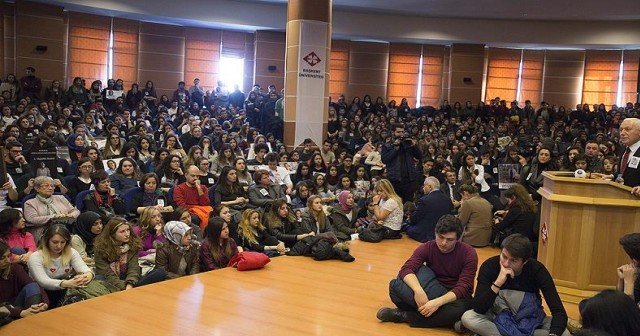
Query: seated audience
628, 279
13, 233
193, 196
116, 255
20, 296
434, 286
612, 311
217, 248
229, 192
47, 208
103, 199
315, 220
344, 216
82, 178
520, 216
179, 254
475, 215
55, 266
263, 193
283, 224
508, 280
151, 196
150, 231
253, 236
433, 205
127, 176
87, 228
388, 209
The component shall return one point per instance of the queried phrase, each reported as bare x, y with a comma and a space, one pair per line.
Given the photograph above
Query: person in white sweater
55, 266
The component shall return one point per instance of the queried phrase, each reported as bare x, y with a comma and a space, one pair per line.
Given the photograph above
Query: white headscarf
174, 231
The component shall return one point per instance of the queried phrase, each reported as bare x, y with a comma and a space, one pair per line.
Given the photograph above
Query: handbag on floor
247, 260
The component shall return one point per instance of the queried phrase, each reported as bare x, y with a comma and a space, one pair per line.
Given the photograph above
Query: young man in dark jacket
399, 156
509, 273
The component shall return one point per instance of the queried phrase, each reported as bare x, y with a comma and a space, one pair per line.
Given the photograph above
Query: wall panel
269, 51
161, 56
125, 51
403, 72
467, 61
563, 76
368, 69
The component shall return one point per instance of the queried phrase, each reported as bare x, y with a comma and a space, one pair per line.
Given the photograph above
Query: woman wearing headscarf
179, 255
87, 228
75, 142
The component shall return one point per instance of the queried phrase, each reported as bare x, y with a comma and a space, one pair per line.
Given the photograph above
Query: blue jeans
402, 297
29, 295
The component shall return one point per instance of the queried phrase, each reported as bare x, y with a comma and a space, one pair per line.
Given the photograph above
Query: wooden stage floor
291, 296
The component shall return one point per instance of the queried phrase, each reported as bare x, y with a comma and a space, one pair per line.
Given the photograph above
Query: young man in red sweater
434, 286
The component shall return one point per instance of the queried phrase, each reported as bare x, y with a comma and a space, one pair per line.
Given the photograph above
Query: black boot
395, 315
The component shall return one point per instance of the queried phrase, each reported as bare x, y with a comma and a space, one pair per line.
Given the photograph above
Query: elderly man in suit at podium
629, 165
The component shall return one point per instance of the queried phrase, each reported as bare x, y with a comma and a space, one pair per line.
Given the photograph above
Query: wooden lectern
581, 222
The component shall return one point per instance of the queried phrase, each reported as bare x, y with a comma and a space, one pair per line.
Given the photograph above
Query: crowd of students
170, 186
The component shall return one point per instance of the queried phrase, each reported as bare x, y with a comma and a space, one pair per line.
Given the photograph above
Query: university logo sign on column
311, 80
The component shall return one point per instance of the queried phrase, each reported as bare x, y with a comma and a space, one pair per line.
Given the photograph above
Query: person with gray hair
433, 205
46, 208
628, 166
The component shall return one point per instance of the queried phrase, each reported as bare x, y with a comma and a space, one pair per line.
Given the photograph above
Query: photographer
400, 157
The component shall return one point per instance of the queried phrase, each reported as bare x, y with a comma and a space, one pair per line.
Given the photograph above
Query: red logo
544, 233
312, 59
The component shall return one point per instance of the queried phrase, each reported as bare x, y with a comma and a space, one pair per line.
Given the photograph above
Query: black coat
428, 211
631, 175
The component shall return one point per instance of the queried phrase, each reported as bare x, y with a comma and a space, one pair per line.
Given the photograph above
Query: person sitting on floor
56, 267
476, 217
430, 208
20, 296
179, 255
612, 311
217, 248
13, 232
511, 280
116, 256
253, 236
433, 288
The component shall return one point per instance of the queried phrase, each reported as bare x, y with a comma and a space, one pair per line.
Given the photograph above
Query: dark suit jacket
631, 176
428, 210
444, 187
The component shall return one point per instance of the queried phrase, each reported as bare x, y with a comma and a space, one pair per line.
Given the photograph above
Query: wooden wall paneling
531, 81
270, 51
563, 77
339, 69
502, 73
368, 69
202, 58
467, 61
9, 38
125, 51
249, 63
161, 56
39, 24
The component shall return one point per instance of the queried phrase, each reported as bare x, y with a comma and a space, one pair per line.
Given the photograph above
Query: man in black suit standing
433, 205
629, 165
